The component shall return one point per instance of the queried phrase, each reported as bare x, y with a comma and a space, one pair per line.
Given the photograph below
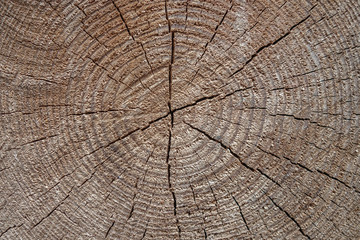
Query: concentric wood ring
179, 119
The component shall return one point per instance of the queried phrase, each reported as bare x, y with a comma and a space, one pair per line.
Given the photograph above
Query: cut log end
179, 120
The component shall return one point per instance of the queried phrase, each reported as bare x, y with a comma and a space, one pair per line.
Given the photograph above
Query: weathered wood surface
179, 119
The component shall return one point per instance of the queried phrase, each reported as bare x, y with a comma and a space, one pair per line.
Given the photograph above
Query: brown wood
179, 119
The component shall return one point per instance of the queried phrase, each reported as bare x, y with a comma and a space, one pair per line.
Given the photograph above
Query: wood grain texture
179, 119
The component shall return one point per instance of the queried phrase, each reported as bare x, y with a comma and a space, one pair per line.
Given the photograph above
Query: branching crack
289, 216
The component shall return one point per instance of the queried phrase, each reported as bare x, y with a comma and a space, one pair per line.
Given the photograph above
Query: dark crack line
270, 44
167, 16
242, 215
222, 145
213, 36
131, 211
40, 139
94, 38
268, 177
67, 216
269, 153
302, 119
234, 154
9, 228
5, 168
198, 208
278, 157
116, 140
52, 211
186, 13
193, 78
146, 57
289, 216
87, 179
94, 112
122, 18
154, 121
216, 201
337, 180
298, 164
137, 42
170, 76
82, 10
169, 182
214, 96
109, 229
143, 236
133, 199
171, 115
196, 102
236, 91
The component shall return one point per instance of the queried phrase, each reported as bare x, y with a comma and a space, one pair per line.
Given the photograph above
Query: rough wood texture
179, 119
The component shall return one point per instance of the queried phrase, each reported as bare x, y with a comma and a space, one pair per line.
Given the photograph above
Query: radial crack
242, 215
122, 18
198, 208
40, 139
52, 211
268, 177
336, 179
9, 228
167, 16
213, 36
222, 145
289, 216
169, 182
146, 57
170, 76
109, 229
196, 102
269, 45
144, 233
233, 153
298, 164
